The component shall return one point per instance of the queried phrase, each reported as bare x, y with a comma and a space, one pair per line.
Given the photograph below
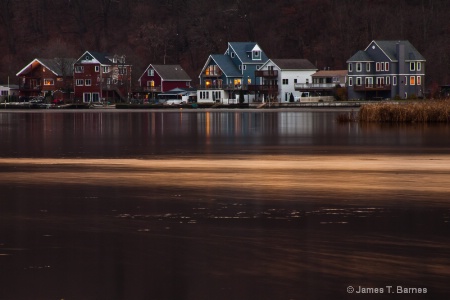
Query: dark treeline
327, 32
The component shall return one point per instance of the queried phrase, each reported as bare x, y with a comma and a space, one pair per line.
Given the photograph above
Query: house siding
397, 81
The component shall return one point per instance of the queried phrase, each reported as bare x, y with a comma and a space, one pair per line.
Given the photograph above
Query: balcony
314, 86
151, 89
267, 73
263, 88
30, 87
229, 87
372, 87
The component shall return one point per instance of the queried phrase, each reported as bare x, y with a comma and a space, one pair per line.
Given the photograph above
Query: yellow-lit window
412, 80
49, 81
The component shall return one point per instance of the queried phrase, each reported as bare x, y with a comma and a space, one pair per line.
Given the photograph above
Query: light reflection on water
142, 134
219, 205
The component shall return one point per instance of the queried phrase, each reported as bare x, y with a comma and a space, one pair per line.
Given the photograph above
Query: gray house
385, 70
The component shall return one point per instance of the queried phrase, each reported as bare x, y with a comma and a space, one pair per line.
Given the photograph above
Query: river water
221, 204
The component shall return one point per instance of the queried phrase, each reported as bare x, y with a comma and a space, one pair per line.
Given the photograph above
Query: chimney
401, 69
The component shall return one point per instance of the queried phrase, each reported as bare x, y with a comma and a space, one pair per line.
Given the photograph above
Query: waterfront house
277, 78
47, 75
101, 77
324, 83
9, 90
386, 70
162, 78
225, 76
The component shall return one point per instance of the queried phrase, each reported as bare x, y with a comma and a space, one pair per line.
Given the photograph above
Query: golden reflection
358, 179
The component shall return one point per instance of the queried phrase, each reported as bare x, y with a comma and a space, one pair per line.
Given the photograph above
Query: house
101, 77
225, 75
277, 78
386, 69
11, 90
163, 78
47, 75
323, 83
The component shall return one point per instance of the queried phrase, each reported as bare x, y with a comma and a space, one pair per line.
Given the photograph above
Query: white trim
378, 48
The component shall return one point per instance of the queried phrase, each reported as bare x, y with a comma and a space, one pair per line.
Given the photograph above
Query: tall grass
411, 112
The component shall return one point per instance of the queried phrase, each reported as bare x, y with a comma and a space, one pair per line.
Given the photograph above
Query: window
122, 71
243, 67
87, 97
412, 66
388, 80
350, 67
358, 67
232, 54
367, 67
285, 81
49, 81
419, 80
79, 82
378, 67
419, 66
386, 66
394, 80
79, 69
406, 80
257, 55
4, 93
95, 97
382, 66
150, 72
97, 68
151, 83
412, 80
358, 81
87, 82
350, 81
106, 69
369, 82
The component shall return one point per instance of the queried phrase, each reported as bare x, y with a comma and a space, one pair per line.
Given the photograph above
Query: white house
284, 74
9, 90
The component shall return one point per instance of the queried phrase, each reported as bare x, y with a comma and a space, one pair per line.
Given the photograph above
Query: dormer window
256, 54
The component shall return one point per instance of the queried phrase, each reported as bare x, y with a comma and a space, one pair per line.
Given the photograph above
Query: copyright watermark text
388, 289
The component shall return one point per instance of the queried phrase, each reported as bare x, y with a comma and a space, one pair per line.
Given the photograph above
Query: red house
163, 78
101, 77
44, 75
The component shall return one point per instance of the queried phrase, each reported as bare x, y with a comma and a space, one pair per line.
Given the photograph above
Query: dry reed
411, 112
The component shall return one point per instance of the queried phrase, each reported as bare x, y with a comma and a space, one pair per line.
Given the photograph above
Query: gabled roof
293, 64
55, 65
390, 49
226, 65
360, 56
102, 58
243, 51
171, 72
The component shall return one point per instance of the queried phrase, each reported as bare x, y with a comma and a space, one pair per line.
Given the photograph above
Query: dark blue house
385, 70
232, 71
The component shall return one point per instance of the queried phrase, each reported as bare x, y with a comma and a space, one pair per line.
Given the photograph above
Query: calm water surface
228, 204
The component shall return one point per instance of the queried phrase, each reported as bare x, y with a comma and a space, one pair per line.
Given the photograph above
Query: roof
243, 49
294, 64
330, 73
360, 56
390, 48
171, 72
56, 65
101, 57
226, 65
